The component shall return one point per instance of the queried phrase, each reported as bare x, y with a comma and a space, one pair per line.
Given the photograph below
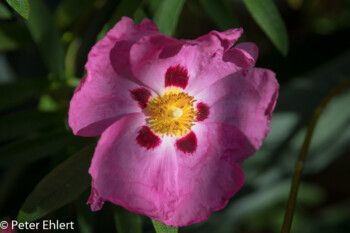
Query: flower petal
204, 61
152, 56
127, 35
142, 180
219, 41
245, 100
250, 48
103, 96
207, 179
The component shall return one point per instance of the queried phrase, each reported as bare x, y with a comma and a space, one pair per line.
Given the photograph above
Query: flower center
172, 113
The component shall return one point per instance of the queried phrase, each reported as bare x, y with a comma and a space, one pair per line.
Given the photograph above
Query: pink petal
130, 34
245, 100
207, 179
151, 57
250, 48
205, 60
139, 179
103, 96
221, 41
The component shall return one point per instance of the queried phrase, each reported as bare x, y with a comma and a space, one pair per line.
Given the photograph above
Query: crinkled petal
139, 179
219, 41
207, 179
250, 48
103, 96
131, 33
206, 60
245, 100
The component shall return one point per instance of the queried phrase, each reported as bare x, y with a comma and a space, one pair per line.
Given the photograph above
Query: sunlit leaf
41, 26
61, 186
266, 15
21, 6
161, 228
126, 221
167, 15
220, 13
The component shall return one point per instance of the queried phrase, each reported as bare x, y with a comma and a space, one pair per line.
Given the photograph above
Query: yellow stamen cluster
172, 113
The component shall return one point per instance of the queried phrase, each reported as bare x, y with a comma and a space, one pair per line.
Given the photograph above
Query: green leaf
167, 15
17, 93
126, 221
61, 186
220, 13
161, 228
266, 15
21, 6
42, 28
4, 12
29, 150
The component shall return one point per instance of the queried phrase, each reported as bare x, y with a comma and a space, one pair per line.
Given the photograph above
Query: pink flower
176, 117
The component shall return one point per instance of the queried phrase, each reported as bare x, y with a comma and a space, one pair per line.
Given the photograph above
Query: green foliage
162, 228
17, 93
13, 36
21, 6
69, 11
125, 8
220, 13
266, 15
167, 15
28, 150
61, 186
4, 12
44, 33
126, 222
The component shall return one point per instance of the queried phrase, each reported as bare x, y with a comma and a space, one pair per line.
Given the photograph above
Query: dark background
35, 137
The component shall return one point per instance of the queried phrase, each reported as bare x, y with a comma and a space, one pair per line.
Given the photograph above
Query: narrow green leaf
4, 12
220, 13
167, 15
21, 6
266, 15
17, 93
161, 228
61, 186
85, 217
41, 26
29, 150
126, 221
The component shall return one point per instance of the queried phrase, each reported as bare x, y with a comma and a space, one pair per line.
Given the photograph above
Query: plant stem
303, 153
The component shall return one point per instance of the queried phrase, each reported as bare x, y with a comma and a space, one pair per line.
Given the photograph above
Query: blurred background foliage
43, 166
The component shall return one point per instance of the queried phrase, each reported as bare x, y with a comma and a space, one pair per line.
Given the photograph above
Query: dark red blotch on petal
188, 143
176, 76
147, 138
203, 111
141, 95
